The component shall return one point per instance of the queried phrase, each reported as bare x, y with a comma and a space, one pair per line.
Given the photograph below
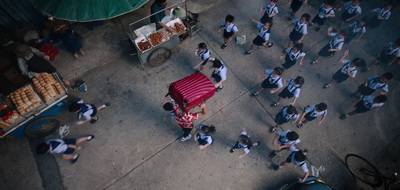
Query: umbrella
87, 10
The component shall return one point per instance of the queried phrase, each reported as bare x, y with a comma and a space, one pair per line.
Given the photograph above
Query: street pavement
135, 149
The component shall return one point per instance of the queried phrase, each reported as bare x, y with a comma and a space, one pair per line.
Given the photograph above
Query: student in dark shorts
388, 54
230, 30
284, 140
262, 38
291, 56
292, 90
373, 84
287, 113
270, 10
298, 158
295, 6
65, 146
366, 103
382, 13
244, 142
219, 74
312, 112
349, 69
325, 11
205, 54
355, 28
273, 81
299, 31
203, 135
351, 10
335, 45
87, 111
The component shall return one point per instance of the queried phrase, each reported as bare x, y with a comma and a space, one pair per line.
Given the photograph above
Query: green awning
87, 10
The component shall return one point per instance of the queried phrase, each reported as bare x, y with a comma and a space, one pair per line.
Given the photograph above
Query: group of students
294, 52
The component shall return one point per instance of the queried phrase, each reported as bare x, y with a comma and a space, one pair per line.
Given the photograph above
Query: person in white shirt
349, 69
205, 55
335, 45
299, 31
219, 74
66, 147
287, 113
292, 90
382, 13
203, 135
285, 139
312, 112
273, 81
388, 54
298, 158
262, 38
270, 10
291, 56
355, 28
366, 103
325, 11
244, 142
230, 29
87, 111
351, 10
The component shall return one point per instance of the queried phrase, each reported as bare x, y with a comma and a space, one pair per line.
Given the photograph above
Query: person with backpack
203, 135
244, 142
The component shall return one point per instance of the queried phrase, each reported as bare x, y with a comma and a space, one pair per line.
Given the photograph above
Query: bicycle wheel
41, 127
363, 170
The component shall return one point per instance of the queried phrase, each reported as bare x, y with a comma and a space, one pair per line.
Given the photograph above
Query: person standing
292, 54
230, 30
219, 74
185, 119
157, 6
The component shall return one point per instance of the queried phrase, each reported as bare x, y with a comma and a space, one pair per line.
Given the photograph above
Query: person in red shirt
185, 119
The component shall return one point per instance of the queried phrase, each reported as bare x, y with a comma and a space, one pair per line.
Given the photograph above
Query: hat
179, 12
22, 50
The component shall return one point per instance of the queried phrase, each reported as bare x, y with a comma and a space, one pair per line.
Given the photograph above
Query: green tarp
87, 10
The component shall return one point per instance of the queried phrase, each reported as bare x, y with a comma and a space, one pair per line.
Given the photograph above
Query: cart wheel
41, 127
159, 56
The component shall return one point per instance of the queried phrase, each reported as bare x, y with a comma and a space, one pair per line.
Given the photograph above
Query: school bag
241, 39
191, 91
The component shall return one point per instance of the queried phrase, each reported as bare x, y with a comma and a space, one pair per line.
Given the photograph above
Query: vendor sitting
32, 62
159, 5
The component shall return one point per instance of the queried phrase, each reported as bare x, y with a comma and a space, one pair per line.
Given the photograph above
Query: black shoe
248, 52
343, 117
275, 104
276, 167
92, 137
270, 44
273, 129
317, 29
257, 143
223, 46
107, 104
313, 62
273, 154
219, 88
74, 160
93, 121
232, 150
300, 126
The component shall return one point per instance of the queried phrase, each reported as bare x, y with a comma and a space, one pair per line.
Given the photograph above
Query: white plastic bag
63, 131
241, 39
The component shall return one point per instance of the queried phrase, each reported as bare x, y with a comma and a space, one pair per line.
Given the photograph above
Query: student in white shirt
335, 45
388, 54
284, 140
273, 81
351, 10
366, 103
291, 56
382, 13
325, 11
312, 112
355, 28
292, 90
88, 111
373, 84
349, 69
219, 74
230, 29
298, 158
203, 135
205, 54
244, 142
287, 113
262, 38
300, 29
270, 10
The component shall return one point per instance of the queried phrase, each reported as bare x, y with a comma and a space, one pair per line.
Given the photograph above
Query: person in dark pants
287, 113
312, 112
366, 103
348, 70
388, 54
244, 142
382, 13
270, 10
185, 119
295, 6
325, 11
284, 140
65, 146
88, 111
219, 74
32, 62
60, 30
335, 45
262, 38
203, 135
355, 28
292, 90
298, 158
351, 11
230, 30
159, 5
299, 31
291, 56
273, 81
373, 84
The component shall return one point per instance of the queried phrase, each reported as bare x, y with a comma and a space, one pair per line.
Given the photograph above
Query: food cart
154, 46
31, 109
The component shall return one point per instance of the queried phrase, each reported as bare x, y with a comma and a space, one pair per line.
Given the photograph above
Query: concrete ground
135, 149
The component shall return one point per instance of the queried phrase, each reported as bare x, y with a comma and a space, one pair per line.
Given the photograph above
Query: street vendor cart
154, 46
30, 110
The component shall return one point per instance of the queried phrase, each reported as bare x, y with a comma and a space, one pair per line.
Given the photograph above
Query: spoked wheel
363, 170
41, 127
159, 56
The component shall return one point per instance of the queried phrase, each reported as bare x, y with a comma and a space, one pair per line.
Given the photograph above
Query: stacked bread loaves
25, 99
47, 86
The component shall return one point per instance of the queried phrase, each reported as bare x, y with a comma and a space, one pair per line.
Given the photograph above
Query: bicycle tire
363, 170
41, 127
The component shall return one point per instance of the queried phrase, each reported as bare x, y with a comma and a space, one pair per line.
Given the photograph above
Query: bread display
9, 119
158, 37
144, 45
25, 99
178, 27
47, 86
